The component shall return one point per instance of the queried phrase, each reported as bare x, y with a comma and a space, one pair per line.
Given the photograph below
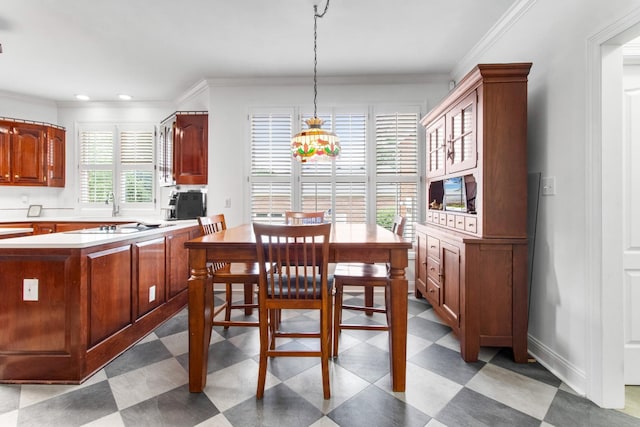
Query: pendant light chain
315, 55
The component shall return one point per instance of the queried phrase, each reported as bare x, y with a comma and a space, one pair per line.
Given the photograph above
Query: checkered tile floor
147, 386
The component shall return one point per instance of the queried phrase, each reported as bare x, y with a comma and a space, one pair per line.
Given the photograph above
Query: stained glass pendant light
315, 143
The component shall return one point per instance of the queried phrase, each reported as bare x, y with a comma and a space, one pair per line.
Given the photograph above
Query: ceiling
157, 50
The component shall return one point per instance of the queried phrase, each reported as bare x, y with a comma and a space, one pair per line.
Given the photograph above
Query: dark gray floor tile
280, 407
469, 408
136, 357
9, 397
534, 370
178, 323
177, 407
365, 360
446, 363
427, 329
417, 306
286, 367
373, 407
570, 410
224, 354
71, 409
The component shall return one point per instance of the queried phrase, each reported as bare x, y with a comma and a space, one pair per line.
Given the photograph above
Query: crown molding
510, 17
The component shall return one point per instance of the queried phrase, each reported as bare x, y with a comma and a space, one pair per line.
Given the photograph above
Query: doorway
614, 273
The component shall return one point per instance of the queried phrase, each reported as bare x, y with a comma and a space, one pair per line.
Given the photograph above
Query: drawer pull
432, 246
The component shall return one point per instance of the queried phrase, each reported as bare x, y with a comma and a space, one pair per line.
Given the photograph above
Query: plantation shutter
96, 165
136, 160
397, 178
270, 174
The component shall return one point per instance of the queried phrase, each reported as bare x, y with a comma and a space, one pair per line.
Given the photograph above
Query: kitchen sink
119, 229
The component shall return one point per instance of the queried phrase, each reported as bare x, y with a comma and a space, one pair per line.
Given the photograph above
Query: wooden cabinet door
191, 149
55, 157
44, 227
109, 290
28, 154
150, 274
177, 263
421, 265
461, 153
450, 282
5, 153
165, 154
436, 147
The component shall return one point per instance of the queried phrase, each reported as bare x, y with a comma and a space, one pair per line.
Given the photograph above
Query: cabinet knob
431, 291
16, 176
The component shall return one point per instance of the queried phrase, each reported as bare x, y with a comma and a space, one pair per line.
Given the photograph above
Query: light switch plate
30, 290
548, 185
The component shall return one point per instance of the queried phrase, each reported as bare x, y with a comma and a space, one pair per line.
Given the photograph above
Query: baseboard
568, 373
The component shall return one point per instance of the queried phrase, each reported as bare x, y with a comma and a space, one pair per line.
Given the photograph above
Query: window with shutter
339, 187
118, 159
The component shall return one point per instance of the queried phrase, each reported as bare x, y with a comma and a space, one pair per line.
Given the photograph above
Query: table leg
397, 301
200, 319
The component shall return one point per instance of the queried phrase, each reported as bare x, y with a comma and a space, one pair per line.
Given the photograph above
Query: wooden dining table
350, 242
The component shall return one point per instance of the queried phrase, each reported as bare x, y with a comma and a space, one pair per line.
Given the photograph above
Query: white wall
553, 35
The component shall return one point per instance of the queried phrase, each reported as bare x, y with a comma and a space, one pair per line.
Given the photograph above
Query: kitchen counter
74, 300
84, 239
14, 230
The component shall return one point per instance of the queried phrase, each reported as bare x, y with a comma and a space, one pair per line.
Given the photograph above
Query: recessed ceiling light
82, 97
124, 97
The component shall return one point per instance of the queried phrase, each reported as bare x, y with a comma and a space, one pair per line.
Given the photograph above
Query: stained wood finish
191, 142
87, 312
472, 267
177, 261
56, 148
348, 243
149, 271
31, 154
109, 273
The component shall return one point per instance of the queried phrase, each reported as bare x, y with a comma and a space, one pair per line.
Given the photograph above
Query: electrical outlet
30, 290
227, 203
548, 185
152, 293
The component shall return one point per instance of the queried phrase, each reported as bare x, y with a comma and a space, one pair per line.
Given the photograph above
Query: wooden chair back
210, 225
297, 260
398, 225
292, 218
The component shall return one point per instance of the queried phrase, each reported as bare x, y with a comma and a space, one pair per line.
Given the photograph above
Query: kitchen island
73, 301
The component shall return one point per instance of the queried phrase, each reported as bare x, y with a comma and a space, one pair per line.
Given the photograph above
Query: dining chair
292, 217
293, 263
368, 276
230, 273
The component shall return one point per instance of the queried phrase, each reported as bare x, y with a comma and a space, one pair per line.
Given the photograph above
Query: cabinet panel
27, 154
150, 274
5, 154
450, 281
56, 157
190, 149
436, 148
177, 263
109, 285
44, 227
461, 130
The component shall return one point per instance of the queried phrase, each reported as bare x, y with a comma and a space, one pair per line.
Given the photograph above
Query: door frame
603, 157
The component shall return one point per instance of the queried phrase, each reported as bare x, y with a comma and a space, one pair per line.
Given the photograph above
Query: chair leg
248, 298
337, 318
264, 343
273, 326
325, 347
368, 299
227, 311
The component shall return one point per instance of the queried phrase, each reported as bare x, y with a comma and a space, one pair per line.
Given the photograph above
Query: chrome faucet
115, 209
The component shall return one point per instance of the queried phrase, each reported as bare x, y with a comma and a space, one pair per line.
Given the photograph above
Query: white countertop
15, 230
78, 239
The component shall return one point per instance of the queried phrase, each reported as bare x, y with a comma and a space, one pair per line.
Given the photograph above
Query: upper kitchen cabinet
55, 157
183, 148
31, 154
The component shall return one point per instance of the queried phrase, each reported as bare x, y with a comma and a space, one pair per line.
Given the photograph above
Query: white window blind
270, 176
116, 159
397, 177
341, 187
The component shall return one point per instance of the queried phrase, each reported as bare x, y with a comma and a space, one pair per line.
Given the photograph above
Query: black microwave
190, 205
